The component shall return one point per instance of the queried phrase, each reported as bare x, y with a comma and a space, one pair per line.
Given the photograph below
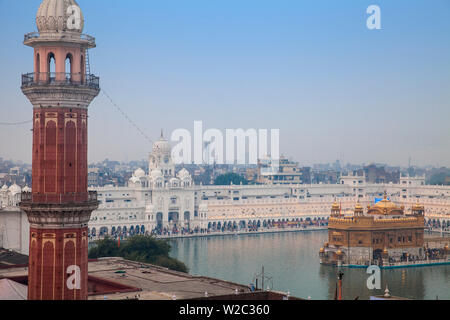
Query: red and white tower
60, 206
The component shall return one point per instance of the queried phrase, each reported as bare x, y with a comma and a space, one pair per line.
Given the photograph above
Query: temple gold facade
382, 235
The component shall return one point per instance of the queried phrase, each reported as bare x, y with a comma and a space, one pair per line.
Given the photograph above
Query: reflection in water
292, 260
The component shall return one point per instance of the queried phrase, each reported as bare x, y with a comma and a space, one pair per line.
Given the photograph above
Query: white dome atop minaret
162, 146
53, 16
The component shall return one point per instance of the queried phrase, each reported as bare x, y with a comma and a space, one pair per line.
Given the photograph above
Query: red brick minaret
60, 206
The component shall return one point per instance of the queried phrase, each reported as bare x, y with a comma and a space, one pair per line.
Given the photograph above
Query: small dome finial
387, 294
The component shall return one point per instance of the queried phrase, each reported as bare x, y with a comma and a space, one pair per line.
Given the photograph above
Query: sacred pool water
291, 259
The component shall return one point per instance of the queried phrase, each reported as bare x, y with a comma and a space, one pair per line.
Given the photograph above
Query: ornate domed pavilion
383, 234
385, 207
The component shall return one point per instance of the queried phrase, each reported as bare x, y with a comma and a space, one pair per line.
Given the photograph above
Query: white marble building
165, 198
14, 226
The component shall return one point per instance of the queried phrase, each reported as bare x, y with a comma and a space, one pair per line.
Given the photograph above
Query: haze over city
335, 89
134, 166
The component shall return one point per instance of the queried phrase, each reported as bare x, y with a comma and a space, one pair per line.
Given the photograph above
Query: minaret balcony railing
58, 36
60, 78
90, 196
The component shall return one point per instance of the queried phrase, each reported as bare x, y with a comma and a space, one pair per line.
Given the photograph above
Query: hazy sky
312, 69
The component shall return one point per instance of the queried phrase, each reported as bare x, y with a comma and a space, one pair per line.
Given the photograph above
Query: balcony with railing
60, 36
60, 79
77, 198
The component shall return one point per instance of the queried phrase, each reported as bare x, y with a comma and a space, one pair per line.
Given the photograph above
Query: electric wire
15, 123
127, 118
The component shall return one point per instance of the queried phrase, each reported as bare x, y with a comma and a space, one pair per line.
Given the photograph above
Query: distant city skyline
335, 89
143, 163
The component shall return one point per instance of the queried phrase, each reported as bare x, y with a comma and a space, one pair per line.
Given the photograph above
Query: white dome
139, 173
26, 189
183, 174
155, 174
52, 16
134, 179
15, 189
4, 188
162, 146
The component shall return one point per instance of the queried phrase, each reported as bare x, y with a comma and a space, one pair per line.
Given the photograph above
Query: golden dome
339, 252
358, 208
335, 206
322, 250
385, 204
326, 244
418, 206
446, 247
385, 207
385, 250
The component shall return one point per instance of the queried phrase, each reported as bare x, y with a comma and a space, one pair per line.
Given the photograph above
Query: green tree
107, 247
146, 249
439, 176
228, 178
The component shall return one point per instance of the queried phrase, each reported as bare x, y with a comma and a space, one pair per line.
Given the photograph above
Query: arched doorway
173, 218
187, 219
51, 75
37, 69
68, 67
159, 221
377, 255
103, 231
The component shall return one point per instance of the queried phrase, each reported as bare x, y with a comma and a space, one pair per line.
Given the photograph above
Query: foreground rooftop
119, 279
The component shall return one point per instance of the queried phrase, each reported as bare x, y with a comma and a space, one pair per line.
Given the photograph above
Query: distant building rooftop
10, 258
